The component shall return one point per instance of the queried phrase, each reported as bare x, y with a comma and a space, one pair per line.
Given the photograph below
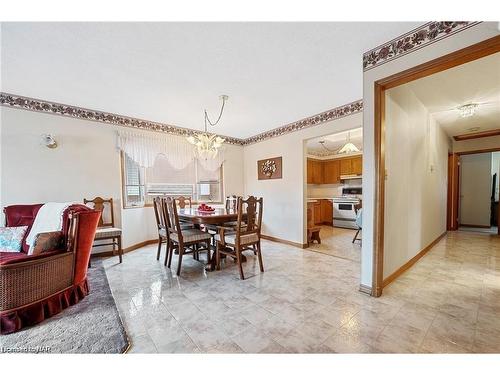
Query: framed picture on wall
269, 169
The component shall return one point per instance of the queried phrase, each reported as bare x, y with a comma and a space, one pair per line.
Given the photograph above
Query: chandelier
468, 110
347, 148
207, 145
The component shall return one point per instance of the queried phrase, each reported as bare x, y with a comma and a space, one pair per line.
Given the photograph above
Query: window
133, 183
162, 179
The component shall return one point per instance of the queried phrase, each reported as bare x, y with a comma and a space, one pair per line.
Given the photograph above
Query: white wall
285, 198
416, 185
86, 164
475, 189
455, 42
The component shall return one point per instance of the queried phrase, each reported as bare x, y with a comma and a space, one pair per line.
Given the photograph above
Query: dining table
218, 217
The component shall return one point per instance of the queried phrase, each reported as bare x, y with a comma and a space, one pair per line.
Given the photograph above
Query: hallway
453, 295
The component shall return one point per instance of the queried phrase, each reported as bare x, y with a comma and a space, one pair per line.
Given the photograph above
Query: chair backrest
160, 212
232, 202
105, 206
172, 222
252, 207
182, 201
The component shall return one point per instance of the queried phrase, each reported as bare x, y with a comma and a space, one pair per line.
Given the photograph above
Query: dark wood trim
479, 151
476, 51
453, 192
287, 242
487, 133
475, 226
365, 289
380, 175
125, 250
389, 279
465, 55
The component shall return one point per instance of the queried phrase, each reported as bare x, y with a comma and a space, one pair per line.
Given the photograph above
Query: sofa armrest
25, 282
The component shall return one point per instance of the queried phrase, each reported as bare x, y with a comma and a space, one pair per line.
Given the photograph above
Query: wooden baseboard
474, 226
126, 249
365, 289
291, 243
411, 262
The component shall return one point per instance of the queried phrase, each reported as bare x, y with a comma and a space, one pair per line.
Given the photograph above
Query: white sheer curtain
143, 148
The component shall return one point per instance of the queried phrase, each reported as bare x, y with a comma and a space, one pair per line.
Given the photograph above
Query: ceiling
474, 82
334, 142
274, 73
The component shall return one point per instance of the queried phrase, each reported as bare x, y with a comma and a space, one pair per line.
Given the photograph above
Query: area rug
91, 326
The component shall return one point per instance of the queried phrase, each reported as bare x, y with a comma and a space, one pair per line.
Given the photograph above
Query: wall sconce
49, 141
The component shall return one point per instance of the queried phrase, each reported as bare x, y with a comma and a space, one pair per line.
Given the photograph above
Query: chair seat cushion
107, 232
245, 239
192, 235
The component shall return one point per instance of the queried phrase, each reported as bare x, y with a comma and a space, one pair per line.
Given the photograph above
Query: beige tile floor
338, 242
307, 302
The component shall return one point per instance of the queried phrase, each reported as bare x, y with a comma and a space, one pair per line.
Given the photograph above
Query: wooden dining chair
186, 241
106, 229
245, 236
231, 202
161, 223
183, 202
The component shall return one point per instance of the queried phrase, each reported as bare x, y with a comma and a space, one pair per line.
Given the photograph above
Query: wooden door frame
453, 191
471, 152
468, 54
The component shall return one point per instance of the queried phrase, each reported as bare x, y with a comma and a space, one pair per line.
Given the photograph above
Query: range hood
350, 177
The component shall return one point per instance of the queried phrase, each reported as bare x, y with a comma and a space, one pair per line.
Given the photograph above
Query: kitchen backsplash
333, 190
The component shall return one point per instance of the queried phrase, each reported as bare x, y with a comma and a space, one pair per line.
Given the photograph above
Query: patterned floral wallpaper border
420, 37
332, 114
37, 105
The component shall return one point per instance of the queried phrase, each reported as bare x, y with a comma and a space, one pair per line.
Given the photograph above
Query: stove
344, 214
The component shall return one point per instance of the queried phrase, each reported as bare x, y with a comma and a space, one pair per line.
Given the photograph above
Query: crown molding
43, 106
413, 40
483, 134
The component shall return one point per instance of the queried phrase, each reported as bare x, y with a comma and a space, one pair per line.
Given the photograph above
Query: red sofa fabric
33, 313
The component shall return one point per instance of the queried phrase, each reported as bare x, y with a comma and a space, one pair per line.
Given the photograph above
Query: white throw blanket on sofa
48, 219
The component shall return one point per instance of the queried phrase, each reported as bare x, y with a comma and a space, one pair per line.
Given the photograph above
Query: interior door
475, 190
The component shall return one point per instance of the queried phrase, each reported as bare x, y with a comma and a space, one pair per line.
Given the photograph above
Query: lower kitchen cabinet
317, 213
326, 208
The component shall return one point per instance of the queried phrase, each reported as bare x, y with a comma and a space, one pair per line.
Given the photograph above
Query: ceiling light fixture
468, 110
208, 145
347, 148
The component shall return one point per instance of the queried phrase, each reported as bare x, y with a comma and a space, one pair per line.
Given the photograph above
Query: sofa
36, 287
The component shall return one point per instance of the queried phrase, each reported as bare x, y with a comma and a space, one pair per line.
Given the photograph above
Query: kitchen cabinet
317, 212
331, 172
357, 165
326, 208
314, 171
352, 165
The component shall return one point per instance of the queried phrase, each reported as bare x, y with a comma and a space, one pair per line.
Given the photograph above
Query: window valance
144, 148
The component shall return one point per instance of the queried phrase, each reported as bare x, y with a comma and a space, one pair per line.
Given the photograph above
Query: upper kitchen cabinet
357, 165
331, 172
314, 171
352, 165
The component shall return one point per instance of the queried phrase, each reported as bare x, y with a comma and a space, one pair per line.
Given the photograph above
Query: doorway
452, 60
334, 193
474, 178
